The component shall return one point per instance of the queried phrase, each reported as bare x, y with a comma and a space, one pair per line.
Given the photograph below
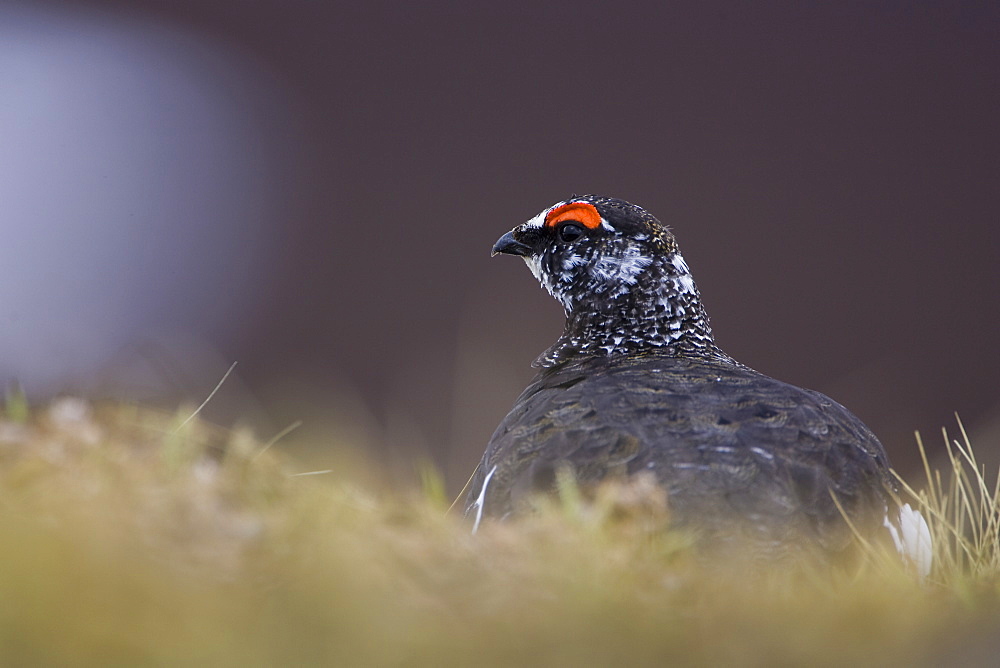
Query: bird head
592, 251
617, 272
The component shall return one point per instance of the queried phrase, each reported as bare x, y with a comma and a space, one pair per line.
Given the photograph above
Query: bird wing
727, 443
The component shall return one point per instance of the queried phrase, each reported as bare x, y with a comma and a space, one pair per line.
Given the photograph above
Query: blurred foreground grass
129, 537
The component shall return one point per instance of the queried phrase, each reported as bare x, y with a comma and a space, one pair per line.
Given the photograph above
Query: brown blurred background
312, 189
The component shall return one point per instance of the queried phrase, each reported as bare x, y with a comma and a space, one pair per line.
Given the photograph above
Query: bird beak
511, 246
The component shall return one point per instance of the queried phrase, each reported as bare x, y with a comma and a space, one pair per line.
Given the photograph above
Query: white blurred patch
621, 270
913, 539
547, 281
538, 221
684, 281
481, 499
138, 184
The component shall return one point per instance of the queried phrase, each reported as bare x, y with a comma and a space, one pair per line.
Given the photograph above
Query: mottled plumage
636, 383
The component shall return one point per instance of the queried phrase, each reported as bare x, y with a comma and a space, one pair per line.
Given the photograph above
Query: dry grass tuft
133, 538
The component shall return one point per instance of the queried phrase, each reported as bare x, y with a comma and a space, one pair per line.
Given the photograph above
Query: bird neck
661, 314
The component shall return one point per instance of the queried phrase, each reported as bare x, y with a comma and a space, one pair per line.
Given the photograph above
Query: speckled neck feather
629, 293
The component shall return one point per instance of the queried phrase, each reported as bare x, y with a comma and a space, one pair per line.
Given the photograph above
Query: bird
636, 385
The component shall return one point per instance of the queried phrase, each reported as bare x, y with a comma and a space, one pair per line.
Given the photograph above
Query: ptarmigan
636, 383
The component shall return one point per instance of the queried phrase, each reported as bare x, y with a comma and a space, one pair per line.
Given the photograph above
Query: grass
135, 538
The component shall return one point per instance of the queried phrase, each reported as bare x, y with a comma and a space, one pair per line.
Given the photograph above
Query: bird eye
570, 231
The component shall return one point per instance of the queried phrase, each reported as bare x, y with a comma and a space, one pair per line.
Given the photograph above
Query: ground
133, 537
